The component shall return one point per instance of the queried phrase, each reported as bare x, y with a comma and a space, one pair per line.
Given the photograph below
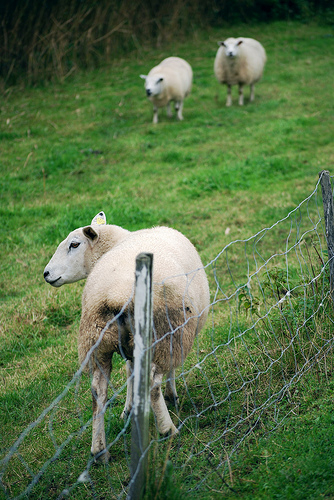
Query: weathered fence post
327, 199
141, 374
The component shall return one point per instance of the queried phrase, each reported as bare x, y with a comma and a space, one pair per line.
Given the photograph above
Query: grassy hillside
70, 150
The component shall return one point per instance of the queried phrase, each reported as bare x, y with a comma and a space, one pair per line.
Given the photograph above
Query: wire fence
270, 325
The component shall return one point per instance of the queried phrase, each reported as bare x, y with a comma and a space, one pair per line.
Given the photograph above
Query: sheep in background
239, 61
170, 81
106, 255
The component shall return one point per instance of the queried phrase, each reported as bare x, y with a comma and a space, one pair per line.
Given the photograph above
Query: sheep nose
148, 92
46, 274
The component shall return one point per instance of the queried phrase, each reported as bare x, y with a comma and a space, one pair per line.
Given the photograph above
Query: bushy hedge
45, 39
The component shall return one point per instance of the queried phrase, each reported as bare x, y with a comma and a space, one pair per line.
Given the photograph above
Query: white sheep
170, 81
106, 254
239, 61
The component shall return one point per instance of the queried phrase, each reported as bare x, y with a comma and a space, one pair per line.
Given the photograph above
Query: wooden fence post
141, 376
327, 199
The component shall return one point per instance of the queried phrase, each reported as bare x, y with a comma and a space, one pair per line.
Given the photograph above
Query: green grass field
70, 150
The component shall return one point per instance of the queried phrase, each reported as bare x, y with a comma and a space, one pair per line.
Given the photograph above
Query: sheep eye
74, 244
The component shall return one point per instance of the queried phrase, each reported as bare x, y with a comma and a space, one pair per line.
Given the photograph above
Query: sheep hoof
102, 457
173, 431
171, 399
125, 414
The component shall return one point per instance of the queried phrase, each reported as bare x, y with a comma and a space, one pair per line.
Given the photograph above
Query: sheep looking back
106, 254
239, 61
170, 81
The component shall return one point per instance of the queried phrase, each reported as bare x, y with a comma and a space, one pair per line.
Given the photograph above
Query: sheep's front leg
158, 404
129, 390
155, 114
170, 391
252, 92
179, 108
99, 389
241, 94
229, 95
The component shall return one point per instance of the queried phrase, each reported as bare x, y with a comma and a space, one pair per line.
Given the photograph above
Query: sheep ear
100, 219
90, 233
159, 80
240, 41
221, 44
143, 77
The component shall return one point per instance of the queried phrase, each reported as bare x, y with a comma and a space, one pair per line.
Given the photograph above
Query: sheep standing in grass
106, 254
239, 61
170, 81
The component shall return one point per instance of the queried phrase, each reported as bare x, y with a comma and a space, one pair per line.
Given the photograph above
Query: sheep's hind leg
169, 111
170, 391
99, 389
179, 108
252, 92
158, 403
241, 94
129, 390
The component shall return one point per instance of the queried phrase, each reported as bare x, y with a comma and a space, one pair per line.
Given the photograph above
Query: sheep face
72, 260
153, 85
231, 47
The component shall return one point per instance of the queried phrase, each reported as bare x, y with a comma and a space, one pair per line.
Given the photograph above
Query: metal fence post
141, 374
327, 199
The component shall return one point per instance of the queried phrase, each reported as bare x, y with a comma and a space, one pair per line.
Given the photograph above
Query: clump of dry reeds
51, 39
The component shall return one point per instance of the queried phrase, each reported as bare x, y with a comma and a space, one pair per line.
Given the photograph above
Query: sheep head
74, 258
153, 84
231, 46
